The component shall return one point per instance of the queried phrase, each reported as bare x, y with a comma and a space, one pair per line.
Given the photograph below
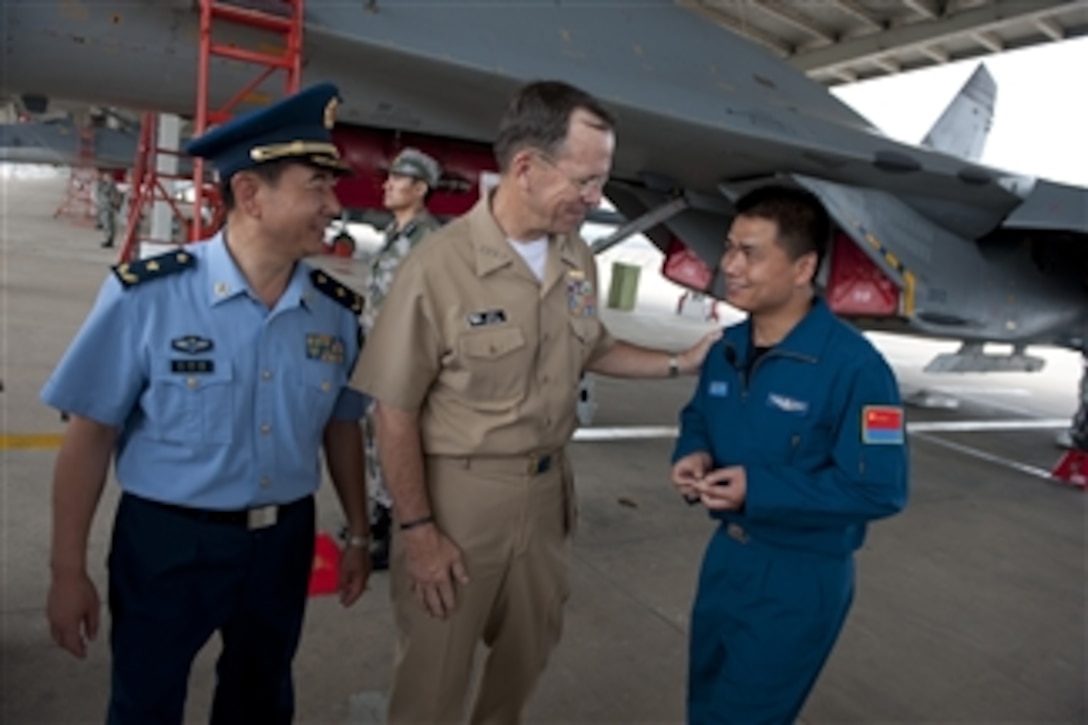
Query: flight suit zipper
747, 375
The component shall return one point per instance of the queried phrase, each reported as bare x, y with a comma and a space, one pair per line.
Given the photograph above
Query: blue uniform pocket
811, 445
193, 406
321, 384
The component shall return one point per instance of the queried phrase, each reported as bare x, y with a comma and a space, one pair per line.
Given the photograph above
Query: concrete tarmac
971, 605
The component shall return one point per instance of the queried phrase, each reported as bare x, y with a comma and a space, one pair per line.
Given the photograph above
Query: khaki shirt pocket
586, 332
493, 361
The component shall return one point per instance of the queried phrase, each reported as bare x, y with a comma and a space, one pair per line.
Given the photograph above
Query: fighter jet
928, 241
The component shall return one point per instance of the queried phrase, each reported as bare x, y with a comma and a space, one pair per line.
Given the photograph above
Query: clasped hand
720, 489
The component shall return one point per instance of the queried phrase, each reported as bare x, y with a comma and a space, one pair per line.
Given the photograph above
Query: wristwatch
674, 366
357, 541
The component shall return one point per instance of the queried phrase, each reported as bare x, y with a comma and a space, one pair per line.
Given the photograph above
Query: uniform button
191, 382
266, 375
265, 482
544, 379
545, 337
265, 428
325, 385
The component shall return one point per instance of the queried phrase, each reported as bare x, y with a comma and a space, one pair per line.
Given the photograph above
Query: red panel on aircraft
857, 287
685, 267
371, 151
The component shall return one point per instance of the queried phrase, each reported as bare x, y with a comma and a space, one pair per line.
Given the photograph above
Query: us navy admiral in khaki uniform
475, 361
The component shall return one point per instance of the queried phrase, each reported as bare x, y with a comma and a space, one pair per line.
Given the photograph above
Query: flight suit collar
225, 281
807, 339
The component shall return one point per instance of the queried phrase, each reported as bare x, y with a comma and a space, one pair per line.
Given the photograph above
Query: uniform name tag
882, 424
192, 366
486, 317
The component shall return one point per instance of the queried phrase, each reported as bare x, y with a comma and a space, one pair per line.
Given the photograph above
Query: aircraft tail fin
962, 128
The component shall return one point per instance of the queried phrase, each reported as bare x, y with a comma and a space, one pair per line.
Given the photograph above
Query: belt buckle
737, 532
261, 517
539, 464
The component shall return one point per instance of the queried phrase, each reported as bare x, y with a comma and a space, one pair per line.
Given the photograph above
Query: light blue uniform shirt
221, 402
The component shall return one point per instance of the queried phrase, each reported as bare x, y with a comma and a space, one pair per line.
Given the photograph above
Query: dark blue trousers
174, 580
764, 622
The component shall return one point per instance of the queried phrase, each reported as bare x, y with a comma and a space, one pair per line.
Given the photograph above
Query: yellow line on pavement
29, 441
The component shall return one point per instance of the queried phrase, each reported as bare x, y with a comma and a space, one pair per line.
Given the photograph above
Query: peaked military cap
413, 162
298, 127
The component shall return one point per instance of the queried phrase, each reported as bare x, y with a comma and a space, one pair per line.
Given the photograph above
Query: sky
1040, 125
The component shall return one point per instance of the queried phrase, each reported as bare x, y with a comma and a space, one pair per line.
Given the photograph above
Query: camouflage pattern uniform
398, 242
108, 201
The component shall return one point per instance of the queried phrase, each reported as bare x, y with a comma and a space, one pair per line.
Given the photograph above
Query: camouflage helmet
413, 162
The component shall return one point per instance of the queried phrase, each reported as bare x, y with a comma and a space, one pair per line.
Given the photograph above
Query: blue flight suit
221, 404
817, 425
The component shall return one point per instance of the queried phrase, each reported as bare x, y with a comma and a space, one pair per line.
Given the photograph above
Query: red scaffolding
79, 204
147, 184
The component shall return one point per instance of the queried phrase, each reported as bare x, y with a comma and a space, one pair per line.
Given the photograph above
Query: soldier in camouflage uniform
107, 199
412, 177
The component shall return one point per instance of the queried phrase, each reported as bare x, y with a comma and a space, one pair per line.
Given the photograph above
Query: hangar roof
841, 41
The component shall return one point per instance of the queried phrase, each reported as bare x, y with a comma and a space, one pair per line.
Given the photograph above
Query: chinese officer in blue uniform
213, 376
793, 441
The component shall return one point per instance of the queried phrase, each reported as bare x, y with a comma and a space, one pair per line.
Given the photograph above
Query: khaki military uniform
491, 358
398, 242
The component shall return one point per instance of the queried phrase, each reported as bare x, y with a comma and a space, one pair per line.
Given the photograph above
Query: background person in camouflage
107, 199
411, 179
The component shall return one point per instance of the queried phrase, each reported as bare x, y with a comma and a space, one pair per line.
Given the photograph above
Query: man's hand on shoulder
691, 360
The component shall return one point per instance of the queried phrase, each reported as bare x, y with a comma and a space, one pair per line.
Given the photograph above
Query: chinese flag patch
882, 424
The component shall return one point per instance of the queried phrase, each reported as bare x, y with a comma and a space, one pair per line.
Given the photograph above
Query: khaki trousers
511, 528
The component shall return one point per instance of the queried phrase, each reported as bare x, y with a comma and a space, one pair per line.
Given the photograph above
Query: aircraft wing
732, 112
1052, 206
61, 141
697, 105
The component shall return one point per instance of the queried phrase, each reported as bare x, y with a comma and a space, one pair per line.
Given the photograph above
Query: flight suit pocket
810, 446
191, 407
490, 358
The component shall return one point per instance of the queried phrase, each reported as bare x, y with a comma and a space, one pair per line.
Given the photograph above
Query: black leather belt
539, 465
259, 517
531, 465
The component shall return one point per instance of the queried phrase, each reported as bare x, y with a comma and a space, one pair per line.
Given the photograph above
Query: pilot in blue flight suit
793, 440
215, 374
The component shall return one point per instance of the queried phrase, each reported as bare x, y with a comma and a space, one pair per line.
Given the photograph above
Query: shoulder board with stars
332, 288
141, 270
